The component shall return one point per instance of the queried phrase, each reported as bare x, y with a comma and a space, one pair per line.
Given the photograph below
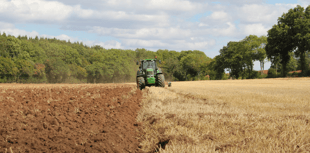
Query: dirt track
69, 118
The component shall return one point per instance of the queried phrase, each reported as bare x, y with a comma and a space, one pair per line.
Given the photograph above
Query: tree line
45, 60
286, 46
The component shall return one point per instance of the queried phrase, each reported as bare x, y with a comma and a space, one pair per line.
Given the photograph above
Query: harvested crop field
267, 115
69, 118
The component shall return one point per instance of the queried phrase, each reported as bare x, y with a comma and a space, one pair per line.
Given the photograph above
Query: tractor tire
140, 83
161, 80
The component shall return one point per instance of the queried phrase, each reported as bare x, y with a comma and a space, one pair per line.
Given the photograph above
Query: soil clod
70, 118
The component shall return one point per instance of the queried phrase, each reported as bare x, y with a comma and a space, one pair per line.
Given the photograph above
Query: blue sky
204, 25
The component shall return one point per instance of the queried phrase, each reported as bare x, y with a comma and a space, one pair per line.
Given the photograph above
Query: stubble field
269, 115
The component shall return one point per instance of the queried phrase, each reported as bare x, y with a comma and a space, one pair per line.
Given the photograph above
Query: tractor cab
149, 64
149, 67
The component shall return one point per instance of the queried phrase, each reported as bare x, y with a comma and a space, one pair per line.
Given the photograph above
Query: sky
205, 25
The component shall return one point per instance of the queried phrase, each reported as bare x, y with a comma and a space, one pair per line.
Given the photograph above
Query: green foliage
13, 46
194, 64
8, 70
43, 60
293, 63
25, 69
56, 70
95, 72
238, 58
77, 72
253, 74
290, 34
272, 73
262, 76
217, 67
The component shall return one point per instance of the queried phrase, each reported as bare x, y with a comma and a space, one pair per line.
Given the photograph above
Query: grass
265, 115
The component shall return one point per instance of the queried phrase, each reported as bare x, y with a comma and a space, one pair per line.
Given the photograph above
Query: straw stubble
270, 115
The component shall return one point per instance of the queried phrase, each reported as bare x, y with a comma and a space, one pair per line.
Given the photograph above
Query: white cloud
83, 13
176, 7
219, 15
144, 43
146, 33
118, 2
10, 30
229, 30
217, 20
35, 10
254, 29
172, 44
25, 11
172, 5
304, 3
4, 25
63, 37
202, 25
17, 32
199, 45
261, 13
107, 45
238, 2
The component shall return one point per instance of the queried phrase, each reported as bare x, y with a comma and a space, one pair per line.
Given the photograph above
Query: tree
232, 57
77, 72
291, 33
39, 71
293, 63
24, 68
217, 68
193, 64
141, 53
261, 52
13, 46
238, 57
32, 51
56, 70
70, 55
170, 64
95, 72
279, 44
301, 33
275, 63
255, 50
8, 69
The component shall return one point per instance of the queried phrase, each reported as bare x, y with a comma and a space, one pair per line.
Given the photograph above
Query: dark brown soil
77, 118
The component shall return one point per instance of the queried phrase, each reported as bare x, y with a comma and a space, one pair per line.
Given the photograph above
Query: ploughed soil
69, 118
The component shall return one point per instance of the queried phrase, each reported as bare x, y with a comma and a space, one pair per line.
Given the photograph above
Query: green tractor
149, 74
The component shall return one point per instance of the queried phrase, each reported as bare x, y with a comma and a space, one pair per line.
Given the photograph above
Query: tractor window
149, 64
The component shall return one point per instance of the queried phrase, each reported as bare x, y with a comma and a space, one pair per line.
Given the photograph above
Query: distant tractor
149, 74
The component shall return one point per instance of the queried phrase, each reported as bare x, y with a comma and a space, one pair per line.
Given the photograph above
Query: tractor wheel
140, 83
161, 80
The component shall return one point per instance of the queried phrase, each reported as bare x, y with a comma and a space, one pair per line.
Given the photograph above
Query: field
268, 115
68, 118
